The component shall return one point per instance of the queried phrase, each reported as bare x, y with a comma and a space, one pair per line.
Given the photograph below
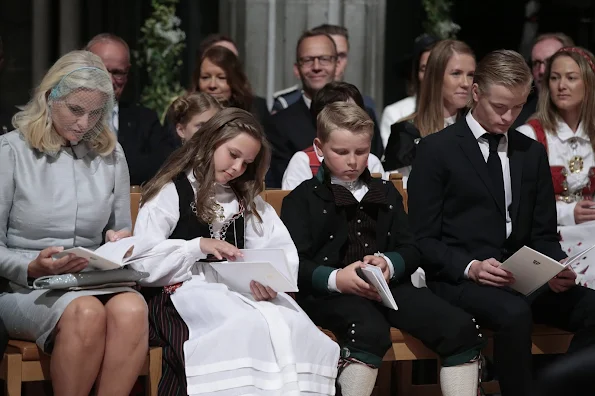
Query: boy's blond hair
343, 115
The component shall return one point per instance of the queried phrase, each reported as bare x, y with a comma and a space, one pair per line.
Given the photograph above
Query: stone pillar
70, 31
247, 22
41, 45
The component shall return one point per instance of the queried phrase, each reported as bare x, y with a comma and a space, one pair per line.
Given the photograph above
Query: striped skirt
168, 331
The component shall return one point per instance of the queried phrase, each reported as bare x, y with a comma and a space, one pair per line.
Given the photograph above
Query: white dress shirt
393, 113
478, 132
561, 147
307, 100
358, 189
116, 118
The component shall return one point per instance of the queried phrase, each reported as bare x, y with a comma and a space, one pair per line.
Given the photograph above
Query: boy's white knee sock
461, 380
357, 380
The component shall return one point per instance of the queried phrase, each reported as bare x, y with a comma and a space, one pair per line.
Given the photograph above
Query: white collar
349, 185
564, 132
307, 100
477, 130
448, 121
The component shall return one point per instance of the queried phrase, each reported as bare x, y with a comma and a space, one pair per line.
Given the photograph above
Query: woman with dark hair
220, 73
405, 107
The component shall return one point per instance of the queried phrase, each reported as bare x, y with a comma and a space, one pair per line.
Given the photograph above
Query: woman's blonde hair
35, 122
547, 113
429, 117
197, 155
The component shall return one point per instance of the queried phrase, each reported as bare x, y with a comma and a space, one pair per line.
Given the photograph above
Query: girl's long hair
197, 155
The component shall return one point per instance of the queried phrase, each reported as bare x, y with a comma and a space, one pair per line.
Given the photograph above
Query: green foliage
438, 21
160, 48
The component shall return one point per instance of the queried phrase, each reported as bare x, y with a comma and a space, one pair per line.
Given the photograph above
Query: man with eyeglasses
340, 36
145, 143
544, 47
293, 129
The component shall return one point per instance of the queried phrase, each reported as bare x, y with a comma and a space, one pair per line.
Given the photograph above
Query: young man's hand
563, 281
488, 272
349, 282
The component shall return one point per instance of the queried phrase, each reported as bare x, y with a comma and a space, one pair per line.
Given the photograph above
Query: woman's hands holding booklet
45, 265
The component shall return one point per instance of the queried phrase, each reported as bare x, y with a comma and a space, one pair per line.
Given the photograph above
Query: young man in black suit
146, 144
343, 219
478, 192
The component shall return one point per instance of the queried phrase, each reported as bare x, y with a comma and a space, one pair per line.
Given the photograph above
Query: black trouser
362, 326
511, 316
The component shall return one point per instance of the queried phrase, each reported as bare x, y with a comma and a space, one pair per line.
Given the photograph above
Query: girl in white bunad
565, 125
204, 203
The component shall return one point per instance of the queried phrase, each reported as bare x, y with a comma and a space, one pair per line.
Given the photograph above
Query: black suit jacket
319, 230
292, 130
453, 210
6, 119
146, 144
401, 146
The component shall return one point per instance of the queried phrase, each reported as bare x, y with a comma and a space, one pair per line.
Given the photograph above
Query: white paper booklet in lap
265, 266
112, 255
375, 277
532, 269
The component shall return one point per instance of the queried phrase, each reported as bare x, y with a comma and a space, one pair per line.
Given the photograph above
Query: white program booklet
532, 269
266, 266
111, 255
374, 276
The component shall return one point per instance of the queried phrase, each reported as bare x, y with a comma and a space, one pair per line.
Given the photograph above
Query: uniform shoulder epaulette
286, 91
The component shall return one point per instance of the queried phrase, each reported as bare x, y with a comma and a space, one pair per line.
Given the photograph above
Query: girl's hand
113, 236
219, 249
262, 293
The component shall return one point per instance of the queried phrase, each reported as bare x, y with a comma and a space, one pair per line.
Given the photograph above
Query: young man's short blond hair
343, 115
502, 67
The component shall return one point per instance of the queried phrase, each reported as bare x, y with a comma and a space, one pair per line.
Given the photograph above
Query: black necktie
495, 168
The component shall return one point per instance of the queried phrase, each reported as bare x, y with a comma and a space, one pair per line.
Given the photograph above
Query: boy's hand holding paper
349, 282
379, 262
375, 276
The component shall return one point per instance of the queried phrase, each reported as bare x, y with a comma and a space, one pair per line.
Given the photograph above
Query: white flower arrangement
438, 22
